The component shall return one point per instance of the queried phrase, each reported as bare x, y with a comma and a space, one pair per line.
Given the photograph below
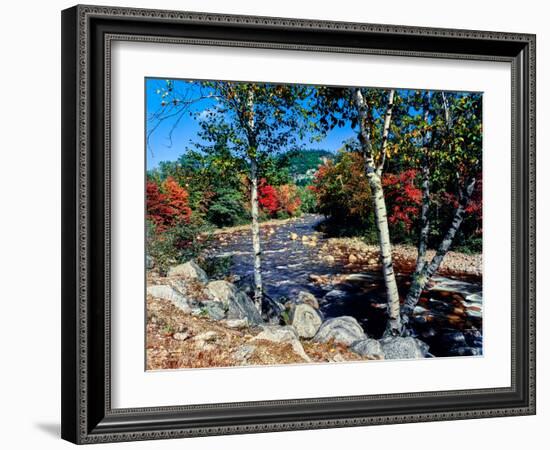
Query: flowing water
448, 315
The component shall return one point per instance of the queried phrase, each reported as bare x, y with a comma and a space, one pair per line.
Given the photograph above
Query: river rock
243, 353
214, 310
335, 295
474, 313
283, 335
237, 324
221, 291
169, 293
453, 338
397, 347
306, 320
368, 347
181, 336
308, 298
188, 270
464, 350
328, 259
242, 307
344, 330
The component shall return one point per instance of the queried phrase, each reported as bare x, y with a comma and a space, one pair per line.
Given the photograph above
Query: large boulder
343, 330
308, 298
368, 347
188, 270
397, 347
282, 335
242, 307
214, 310
305, 320
221, 291
169, 293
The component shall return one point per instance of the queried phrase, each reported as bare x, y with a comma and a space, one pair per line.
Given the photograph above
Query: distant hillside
304, 163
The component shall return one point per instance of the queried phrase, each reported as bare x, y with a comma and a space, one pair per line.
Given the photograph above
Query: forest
260, 223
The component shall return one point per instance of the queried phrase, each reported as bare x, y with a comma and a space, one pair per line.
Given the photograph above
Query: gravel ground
355, 252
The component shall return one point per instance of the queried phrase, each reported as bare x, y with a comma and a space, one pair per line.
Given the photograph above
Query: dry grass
173, 342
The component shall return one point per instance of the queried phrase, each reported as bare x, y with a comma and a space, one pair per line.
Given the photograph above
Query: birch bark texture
254, 208
373, 172
424, 270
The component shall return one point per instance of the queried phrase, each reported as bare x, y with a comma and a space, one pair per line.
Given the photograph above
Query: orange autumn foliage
168, 204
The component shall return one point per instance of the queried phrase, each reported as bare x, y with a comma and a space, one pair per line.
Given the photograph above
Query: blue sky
161, 148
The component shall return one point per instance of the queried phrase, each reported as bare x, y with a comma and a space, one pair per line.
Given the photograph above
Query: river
448, 317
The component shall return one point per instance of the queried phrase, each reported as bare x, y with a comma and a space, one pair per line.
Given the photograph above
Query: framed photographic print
281, 224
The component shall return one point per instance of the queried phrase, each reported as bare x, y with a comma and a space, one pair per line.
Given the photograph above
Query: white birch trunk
421, 279
381, 217
373, 173
254, 207
256, 246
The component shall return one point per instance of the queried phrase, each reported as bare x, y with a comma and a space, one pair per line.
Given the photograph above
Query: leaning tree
443, 138
371, 114
438, 133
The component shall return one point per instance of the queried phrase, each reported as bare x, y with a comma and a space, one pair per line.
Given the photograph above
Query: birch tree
446, 145
256, 119
371, 113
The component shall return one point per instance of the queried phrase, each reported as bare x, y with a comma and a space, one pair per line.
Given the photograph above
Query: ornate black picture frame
87, 34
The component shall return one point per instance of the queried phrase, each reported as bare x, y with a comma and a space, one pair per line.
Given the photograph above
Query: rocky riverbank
354, 252
195, 322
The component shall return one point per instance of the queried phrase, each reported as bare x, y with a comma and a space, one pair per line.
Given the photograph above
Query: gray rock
181, 336
188, 270
418, 310
283, 335
149, 262
207, 336
221, 291
453, 338
214, 310
344, 330
368, 347
237, 324
334, 295
243, 353
242, 307
464, 350
306, 320
169, 293
474, 313
308, 298
397, 347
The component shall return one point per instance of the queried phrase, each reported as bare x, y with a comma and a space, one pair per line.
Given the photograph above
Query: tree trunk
374, 176
420, 280
254, 207
258, 289
380, 214
424, 220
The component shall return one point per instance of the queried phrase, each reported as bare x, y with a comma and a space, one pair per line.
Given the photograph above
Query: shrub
227, 208
288, 199
308, 202
167, 204
178, 244
343, 195
267, 198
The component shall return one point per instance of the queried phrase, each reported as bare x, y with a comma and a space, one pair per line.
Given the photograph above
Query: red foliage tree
267, 198
288, 198
403, 197
167, 205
